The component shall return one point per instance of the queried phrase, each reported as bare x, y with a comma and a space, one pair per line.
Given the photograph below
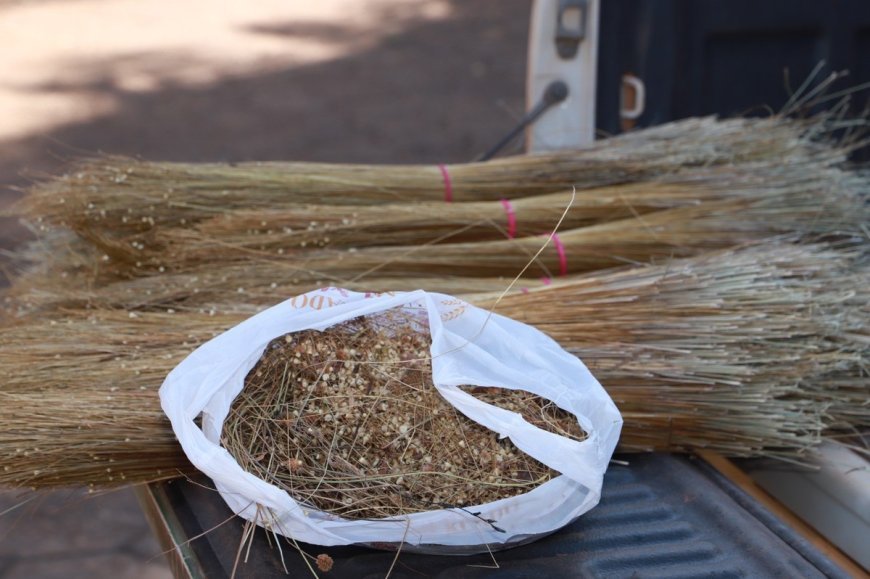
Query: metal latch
570, 26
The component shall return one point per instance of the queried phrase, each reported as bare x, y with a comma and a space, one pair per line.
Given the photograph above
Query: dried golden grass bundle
115, 198
63, 272
243, 235
678, 232
786, 189
276, 234
81, 408
846, 399
234, 288
788, 325
663, 234
348, 421
61, 437
750, 352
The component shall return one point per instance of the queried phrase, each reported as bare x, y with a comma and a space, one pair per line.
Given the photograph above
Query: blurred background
369, 81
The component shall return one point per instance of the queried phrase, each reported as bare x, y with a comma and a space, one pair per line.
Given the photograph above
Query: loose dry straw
348, 420
749, 352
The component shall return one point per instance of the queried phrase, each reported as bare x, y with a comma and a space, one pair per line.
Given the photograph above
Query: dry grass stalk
67, 269
749, 352
82, 406
782, 191
348, 421
146, 216
677, 232
288, 234
242, 235
119, 195
787, 325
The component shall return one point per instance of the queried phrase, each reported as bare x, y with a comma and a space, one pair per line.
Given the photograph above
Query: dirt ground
337, 80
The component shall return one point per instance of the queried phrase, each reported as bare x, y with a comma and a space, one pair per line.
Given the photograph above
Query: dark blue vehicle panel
660, 517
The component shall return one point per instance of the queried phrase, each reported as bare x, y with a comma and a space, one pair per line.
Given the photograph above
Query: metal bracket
559, 28
571, 20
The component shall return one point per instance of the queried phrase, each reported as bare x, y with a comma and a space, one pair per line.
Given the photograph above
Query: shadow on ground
430, 91
434, 91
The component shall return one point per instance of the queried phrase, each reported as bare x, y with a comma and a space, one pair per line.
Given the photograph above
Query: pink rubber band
448, 186
511, 218
546, 280
563, 259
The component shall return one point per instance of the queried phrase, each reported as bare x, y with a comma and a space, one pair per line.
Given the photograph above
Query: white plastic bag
470, 346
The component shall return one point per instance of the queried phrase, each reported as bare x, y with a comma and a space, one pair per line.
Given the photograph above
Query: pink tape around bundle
563, 258
511, 218
448, 186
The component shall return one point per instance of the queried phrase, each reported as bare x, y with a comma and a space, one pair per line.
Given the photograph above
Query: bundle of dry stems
751, 351
784, 205
124, 196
